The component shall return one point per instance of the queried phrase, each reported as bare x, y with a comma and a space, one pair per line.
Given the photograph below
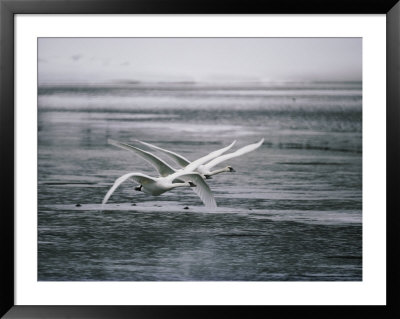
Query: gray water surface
292, 210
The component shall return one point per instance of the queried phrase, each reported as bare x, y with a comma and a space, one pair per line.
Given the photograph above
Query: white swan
159, 185
205, 169
170, 174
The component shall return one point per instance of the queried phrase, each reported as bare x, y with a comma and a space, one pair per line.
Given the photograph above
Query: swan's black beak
138, 188
208, 176
192, 184
231, 169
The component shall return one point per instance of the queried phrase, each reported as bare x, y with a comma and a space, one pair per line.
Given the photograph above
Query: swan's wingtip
144, 143
211, 205
112, 142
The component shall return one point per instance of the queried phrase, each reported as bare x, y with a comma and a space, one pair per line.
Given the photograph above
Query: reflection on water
291, 211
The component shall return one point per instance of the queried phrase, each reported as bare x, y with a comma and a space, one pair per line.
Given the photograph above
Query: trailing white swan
205, 169
159, 185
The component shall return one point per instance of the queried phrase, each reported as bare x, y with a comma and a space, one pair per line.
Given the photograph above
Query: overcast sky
92, 60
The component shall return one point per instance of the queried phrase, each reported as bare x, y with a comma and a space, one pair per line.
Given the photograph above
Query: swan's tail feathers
202, 189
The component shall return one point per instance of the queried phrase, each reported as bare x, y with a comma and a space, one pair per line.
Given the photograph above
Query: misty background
96, 60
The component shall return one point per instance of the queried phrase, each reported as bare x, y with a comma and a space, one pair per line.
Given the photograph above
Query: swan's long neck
221, 170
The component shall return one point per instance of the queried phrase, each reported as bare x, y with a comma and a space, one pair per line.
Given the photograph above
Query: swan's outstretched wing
239, 152
201, 189
139, 177
162, 167
193, 165
179, 159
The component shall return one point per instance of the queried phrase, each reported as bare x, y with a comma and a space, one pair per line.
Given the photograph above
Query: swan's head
191, 184
208, 176
230, 169
139, 188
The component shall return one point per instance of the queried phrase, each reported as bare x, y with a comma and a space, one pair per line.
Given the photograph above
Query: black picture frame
10, 8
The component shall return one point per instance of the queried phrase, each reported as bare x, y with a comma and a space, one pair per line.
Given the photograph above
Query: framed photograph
167, 159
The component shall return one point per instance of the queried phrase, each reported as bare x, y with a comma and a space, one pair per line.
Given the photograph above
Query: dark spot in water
185, 207
133, 204
78, 205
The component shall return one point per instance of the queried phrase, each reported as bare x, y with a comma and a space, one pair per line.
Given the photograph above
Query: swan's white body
205, 169
159, 185
170, 177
